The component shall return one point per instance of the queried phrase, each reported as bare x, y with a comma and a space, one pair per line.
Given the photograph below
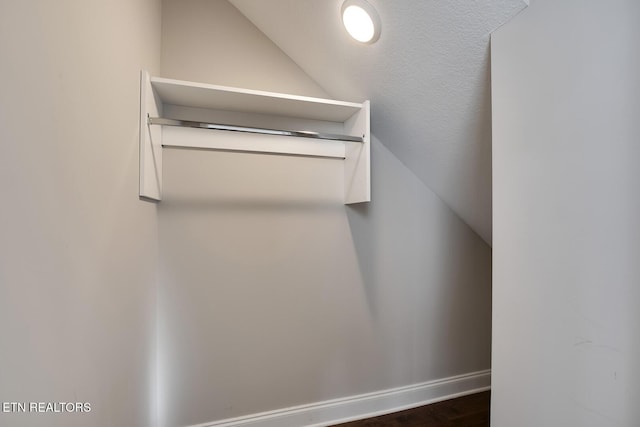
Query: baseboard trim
361, 406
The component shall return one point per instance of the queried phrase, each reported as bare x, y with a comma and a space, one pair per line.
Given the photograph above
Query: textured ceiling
427, 78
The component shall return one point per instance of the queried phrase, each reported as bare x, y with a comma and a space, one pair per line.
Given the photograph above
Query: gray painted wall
199, 37
77, 247
566, 240
273, 293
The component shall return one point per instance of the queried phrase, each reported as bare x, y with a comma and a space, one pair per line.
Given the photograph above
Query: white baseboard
364, 405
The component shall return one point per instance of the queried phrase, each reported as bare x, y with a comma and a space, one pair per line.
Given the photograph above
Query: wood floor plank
466, 411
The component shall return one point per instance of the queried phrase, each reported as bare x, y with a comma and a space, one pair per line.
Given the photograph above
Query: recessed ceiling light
361, 20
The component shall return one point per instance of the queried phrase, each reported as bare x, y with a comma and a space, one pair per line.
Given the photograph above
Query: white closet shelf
212, 117
202, 95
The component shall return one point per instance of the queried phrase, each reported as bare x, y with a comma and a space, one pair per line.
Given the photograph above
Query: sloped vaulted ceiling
427, 77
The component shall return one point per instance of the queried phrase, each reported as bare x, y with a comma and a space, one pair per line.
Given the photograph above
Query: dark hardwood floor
466, 411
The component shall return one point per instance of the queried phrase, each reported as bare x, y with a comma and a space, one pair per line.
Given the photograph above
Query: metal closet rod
281, 132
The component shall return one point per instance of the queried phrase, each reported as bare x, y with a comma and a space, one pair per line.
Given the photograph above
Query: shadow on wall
427, 277
274, 294
230, 204
462, 173
260, 299
476, 132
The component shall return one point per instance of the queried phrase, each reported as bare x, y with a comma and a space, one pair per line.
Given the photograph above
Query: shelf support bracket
150, 140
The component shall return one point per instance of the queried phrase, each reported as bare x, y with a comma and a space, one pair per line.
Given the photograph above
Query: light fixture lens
361, 20
358, 23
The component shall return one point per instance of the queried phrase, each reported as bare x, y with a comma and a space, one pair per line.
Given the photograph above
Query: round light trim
361, 20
